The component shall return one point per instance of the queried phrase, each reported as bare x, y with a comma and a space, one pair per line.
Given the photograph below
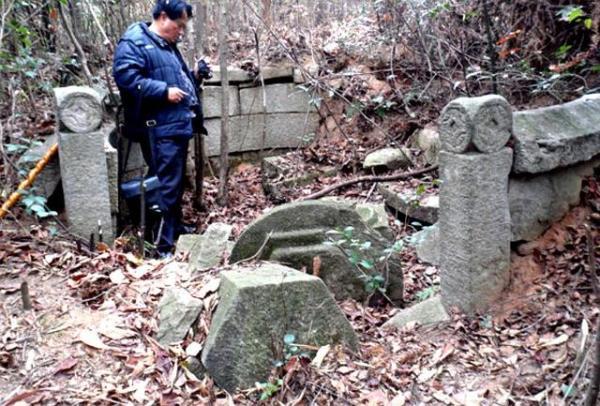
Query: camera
204, 70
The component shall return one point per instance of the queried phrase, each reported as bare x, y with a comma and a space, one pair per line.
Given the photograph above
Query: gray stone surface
375, 216
557, 136
278, 72
257, 309
295, 233
85, 183
79, 108
474, 228
422, 208
426, 243
430, 311
112, 166
47, 181
390, 158
283, 130
206, 250
178, 310
211, 101
484, 122
280, 97
428, 141
300, 77
234, 75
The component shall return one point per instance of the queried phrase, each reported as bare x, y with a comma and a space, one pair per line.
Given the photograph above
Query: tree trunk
224, 159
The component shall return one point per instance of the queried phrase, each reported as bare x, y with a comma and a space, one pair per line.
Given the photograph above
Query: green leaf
421, 189
367, 264
588, 23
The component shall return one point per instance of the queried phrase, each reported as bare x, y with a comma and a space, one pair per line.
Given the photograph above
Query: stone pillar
83, 163
474, 217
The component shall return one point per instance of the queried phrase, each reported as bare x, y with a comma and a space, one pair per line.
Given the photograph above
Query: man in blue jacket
161, 103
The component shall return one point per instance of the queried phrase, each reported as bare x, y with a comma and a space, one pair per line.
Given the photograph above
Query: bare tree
223, 57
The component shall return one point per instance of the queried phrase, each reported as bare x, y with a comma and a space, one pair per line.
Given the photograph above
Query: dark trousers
168, 161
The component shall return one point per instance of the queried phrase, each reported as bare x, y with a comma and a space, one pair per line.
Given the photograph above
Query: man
161, 104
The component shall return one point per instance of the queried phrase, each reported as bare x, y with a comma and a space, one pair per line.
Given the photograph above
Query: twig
25, 297
258, 253
389, 178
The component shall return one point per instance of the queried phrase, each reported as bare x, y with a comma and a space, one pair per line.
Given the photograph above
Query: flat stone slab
390, 158
430, 311
422, 208
257, 309
178, 310
557, 136
283, 130
206, 250
280, 98
234, 75
211, 101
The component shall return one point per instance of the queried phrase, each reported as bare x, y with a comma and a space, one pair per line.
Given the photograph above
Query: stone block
430, 311
206, 250
234, 75
178, 310
300, 77
557, 136
426, 243
277, 72
85, 183
79, 108
428, 141
257, 309
112, 167
283, 130
474, 228
390, 158
47, 181
280, 98
422, 208
295, 233
211, 101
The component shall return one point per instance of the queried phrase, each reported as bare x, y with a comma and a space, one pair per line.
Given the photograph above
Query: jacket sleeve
128, 70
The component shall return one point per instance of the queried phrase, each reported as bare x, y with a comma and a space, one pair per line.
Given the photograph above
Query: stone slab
426, 243
390, 158
257, 309
234, 75
283, 130
206, 250
474, 228
178, 310
85, 185
211, 101
430, 311
557, 136
421, 208
48, 180
280, 98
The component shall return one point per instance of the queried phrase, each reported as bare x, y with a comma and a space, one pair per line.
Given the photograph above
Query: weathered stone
295, 233
206, 250
426, 243
474, 228
538, 201
277, 72
85, 183
211, 101
280, 98
422, 208
430, 311
299, 74
79, 108
178, 310
375, 216
391, 158
485, 122
234, 75
428, 141
47, 181
194, 365
257, 309
283, 130
557, 136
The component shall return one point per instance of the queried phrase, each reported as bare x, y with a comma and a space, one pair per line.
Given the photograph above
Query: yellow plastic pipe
14, 198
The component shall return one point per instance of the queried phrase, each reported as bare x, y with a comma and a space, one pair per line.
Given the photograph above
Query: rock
206, 250
234, 75
84, 172
295, 234
484, 122
178, 310
194, 365
283, 130
557, 136
375, 216
390, 158
79, 108
422, 208
280, 98
426, 243
428, 141
300, 77
211, 101
474, 228
278, 72
257, 309
48, 180
430, 311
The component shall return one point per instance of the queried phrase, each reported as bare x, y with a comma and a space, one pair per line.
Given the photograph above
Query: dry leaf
92, 339
66, 365
321, 354
117, 277
561, 339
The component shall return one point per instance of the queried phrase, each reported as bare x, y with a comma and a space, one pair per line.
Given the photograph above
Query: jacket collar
145, 26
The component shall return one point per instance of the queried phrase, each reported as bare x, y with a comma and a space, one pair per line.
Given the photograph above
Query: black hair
173, 9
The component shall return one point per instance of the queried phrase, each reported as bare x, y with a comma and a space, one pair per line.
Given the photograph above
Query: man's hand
176, 95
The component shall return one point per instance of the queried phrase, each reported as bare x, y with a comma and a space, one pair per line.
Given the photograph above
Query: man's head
171, 17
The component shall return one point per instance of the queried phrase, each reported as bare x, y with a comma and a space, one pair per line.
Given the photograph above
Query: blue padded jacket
144, 67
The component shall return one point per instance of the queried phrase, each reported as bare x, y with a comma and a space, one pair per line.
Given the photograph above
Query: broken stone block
178, 310
390, 158
47, 181
257, 309
426, 243
375, 216
206, 250
558, 136
79, 108
428, 141
280, 98
422, 208
296, 234
211, 101
262, 132
430, 311
84, 172
277, 72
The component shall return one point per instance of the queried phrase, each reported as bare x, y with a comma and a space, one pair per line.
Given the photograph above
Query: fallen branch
367, 179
